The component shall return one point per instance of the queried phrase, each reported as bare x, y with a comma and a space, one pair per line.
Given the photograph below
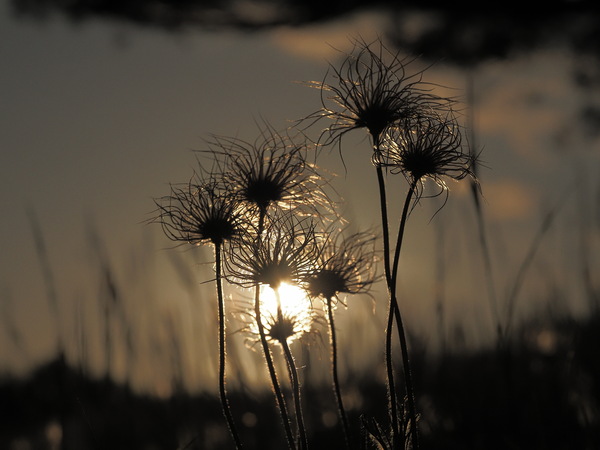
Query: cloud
527, 102
324, 42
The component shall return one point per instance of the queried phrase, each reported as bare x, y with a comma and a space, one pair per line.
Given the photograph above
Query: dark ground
532, 394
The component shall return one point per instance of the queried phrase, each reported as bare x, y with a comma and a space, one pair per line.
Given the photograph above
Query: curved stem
223, 352
274, 381
396, 310
296, 389
269, 358
334, 370
392, 306
385, 226
403, 220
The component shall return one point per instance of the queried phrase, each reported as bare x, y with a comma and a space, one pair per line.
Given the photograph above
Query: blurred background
102, 105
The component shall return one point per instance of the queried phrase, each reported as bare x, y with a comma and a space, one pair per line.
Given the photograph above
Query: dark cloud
467, 38
464, 34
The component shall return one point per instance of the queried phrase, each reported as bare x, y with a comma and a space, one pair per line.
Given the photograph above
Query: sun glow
286, 312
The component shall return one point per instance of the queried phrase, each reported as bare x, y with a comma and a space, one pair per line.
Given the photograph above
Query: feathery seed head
373, 89
287, 312
281, 328
285, 252
199, 212
346, 265
271, 171
426, 147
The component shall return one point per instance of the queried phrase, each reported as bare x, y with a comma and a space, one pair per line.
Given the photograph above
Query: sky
96, 120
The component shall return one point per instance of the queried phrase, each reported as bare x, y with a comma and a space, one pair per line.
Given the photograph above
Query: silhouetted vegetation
268, 224
540, 392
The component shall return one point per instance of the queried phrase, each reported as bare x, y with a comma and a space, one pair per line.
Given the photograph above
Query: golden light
289, 306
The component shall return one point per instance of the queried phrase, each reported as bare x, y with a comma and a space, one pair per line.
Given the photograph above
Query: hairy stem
274, 381
269, 358
385, 226
334, 371
396, 311
303, 441
296, 389
223, 351
393, 305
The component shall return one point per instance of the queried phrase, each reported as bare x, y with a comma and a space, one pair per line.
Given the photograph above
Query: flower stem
223, 351
393, 304
396, 310
334, 370
303, 441
269, 358
385, 226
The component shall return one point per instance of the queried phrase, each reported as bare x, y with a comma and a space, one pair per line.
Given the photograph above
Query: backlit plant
276, 231
204, 212
374, 90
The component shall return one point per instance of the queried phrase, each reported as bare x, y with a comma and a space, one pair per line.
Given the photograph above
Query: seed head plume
426, 147
285, 252
373, 88
346, 265
199, 212
271, 171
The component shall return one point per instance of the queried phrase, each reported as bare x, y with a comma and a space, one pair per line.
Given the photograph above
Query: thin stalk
520, 278
396, 310
223, 351
388, 334
483, 239
303, 441
385, 226
334, 372
296, 389
269, 358
401, 229
487, 265
52, 297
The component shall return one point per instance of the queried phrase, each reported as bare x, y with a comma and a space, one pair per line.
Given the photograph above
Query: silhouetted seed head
287, 314
290, 316
198, 213
426, 147
286, 252
281, 328
271, 171
326, 283
373, 89
346, 265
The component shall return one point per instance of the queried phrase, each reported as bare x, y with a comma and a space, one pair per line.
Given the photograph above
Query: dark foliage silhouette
530, 397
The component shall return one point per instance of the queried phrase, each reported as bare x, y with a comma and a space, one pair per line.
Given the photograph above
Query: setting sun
296, 308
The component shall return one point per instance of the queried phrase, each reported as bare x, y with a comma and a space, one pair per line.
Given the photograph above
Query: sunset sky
96, 120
